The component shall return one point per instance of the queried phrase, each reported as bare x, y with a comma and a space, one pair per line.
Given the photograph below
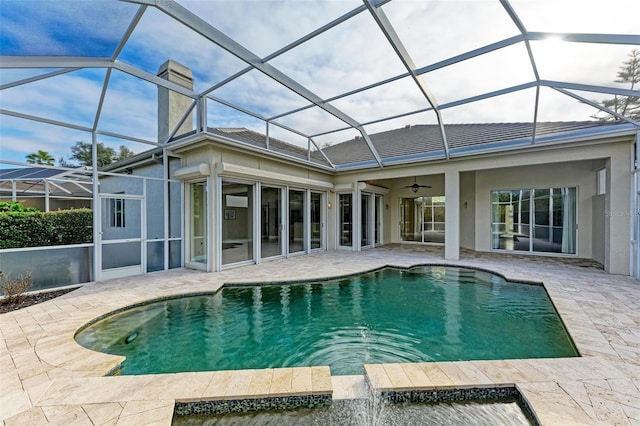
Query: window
534, 220
116, 212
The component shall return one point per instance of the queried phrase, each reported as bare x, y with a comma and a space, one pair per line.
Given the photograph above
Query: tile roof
425, 139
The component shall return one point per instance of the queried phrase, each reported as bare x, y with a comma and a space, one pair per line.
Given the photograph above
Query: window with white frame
116, 213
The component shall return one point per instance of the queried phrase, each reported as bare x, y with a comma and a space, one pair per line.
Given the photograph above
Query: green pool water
427, 313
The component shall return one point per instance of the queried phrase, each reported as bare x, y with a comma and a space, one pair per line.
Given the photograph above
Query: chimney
173, 105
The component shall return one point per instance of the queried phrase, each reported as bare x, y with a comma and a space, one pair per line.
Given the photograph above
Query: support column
618, 216
46, 195
452, 215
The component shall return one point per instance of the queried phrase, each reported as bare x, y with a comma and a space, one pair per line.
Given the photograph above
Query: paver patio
47, 378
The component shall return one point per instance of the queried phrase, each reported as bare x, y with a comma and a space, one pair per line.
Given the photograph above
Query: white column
46, 195
618, 212
452, 215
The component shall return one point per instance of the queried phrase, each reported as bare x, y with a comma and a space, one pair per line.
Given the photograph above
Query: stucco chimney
172, 105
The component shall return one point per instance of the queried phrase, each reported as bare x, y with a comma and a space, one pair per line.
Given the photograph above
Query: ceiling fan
415, 186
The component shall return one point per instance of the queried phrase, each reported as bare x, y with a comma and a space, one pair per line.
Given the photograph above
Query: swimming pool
426, 313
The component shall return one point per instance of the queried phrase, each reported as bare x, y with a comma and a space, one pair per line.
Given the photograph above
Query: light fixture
415, 186
329, 204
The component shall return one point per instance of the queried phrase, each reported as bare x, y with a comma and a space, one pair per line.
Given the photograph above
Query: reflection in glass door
237, 222
198, 223
535, 220
316, 220
296, 221
271, 222
345, 227
422, 219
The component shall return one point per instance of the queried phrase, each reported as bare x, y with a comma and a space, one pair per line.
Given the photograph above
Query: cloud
21, 137
350, 56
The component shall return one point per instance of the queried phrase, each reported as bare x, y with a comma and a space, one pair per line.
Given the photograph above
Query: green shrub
15, 207
37, 229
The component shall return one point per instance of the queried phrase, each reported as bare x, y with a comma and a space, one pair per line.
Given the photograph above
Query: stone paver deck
47, 378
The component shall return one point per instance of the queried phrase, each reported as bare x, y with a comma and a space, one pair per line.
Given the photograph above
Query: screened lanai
299, 78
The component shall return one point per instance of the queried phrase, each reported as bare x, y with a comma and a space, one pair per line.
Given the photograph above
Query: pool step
267, 389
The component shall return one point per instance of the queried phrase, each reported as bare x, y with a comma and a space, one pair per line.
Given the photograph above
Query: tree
40, 157
123, 153
82, 153
628, 106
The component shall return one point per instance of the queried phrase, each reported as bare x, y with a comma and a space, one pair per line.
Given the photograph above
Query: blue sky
350, 56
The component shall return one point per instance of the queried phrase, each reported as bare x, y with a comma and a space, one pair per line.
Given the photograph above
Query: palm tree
40, 157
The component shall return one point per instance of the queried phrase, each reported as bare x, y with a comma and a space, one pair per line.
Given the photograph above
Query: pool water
427, 313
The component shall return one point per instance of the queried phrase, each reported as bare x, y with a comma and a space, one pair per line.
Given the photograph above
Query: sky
350, 56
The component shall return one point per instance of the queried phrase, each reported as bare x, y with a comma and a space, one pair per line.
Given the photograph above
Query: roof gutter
206, 136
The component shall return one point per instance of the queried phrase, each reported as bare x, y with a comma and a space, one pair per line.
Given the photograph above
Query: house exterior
565, 195
237, 196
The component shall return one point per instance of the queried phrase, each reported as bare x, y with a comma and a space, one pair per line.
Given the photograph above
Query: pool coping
63, 377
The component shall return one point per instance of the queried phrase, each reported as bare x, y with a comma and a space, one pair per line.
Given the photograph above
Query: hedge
37, 229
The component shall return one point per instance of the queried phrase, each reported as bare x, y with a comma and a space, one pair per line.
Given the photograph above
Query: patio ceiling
312, 74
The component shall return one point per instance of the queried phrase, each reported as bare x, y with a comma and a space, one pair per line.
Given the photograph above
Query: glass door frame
306, 215
369, 229
531, 217
419, 209
188, 263
323, 220
282, 225
255, 220
339, 223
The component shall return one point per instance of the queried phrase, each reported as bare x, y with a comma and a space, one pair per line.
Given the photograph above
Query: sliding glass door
345, 225
317, 234
535, 220
271, 222
197, 223
237, 222
296, 221
422, 219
